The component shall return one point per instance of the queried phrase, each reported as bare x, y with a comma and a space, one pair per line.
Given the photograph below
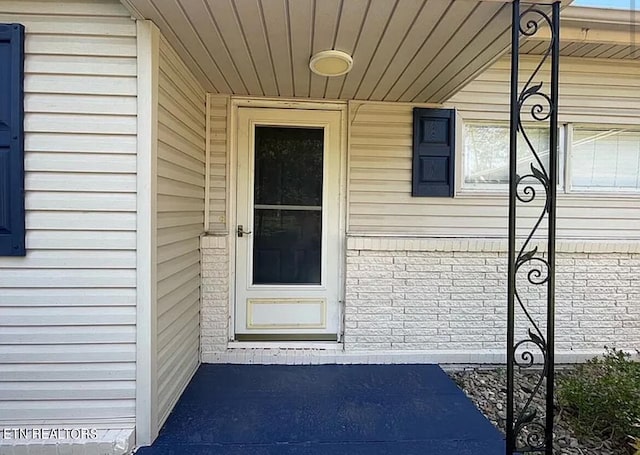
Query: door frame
232, 163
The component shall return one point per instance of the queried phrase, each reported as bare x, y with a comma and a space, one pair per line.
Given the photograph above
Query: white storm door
288, 224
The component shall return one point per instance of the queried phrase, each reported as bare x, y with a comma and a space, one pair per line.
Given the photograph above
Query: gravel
487, 389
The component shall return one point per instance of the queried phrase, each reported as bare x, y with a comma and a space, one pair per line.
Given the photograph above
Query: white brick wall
413, 300
446, 306
214, 313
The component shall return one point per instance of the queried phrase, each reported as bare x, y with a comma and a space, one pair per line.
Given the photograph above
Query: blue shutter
11, 140
433, 152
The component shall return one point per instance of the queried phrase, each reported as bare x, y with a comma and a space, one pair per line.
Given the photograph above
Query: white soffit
403, 50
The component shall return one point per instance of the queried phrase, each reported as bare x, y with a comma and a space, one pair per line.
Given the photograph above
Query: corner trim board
148, 38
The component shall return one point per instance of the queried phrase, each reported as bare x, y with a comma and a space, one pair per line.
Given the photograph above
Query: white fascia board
601, 15
135, 13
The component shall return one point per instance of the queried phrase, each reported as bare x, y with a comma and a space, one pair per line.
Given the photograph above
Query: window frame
465, 189
594, 191
565, 140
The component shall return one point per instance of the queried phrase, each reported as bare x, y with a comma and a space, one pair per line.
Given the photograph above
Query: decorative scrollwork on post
529, 345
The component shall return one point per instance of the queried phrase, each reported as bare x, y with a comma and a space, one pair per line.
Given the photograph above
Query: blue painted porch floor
325, 409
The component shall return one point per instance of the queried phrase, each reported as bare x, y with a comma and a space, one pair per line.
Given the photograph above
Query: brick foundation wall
447, 299
407, 300
214, 314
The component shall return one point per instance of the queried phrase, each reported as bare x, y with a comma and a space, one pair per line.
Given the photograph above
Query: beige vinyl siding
180, 222
218, 115
68, 309
380, 200
589, 91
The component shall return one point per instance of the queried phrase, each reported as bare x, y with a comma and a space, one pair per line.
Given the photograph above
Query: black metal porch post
513, 141
553, 177
526, 432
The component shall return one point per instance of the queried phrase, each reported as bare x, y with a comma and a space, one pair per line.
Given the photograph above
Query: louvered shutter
433, 152
12, 232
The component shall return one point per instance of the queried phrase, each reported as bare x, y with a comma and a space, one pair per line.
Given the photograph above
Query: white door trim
232, 163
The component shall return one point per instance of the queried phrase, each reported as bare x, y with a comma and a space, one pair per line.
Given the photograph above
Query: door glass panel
288, 166
287, 247
288, 205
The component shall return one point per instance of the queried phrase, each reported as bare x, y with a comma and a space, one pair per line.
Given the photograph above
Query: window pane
287, 246
288, 166
605, 159
486, 153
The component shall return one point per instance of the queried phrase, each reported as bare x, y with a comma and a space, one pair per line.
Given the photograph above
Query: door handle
242, 232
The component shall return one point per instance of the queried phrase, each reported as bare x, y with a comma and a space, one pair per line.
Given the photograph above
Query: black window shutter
433, 152
12, 232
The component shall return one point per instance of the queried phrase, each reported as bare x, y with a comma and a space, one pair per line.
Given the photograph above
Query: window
596, 158
12, 232
605, 159
486, 154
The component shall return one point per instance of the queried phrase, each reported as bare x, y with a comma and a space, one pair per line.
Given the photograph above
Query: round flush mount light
331, 63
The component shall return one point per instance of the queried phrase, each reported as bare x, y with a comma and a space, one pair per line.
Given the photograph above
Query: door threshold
287, 337
310, 345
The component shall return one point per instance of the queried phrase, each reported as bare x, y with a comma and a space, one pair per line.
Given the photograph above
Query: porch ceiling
403, 50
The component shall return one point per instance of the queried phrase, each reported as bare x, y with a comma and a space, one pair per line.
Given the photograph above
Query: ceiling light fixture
331, 63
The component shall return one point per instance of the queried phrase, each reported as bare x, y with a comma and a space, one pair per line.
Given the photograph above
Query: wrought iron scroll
534, 104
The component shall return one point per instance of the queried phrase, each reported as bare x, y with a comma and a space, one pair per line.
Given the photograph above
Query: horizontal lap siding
218, 163
589, 91
67, 309
380, 199
180, 204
